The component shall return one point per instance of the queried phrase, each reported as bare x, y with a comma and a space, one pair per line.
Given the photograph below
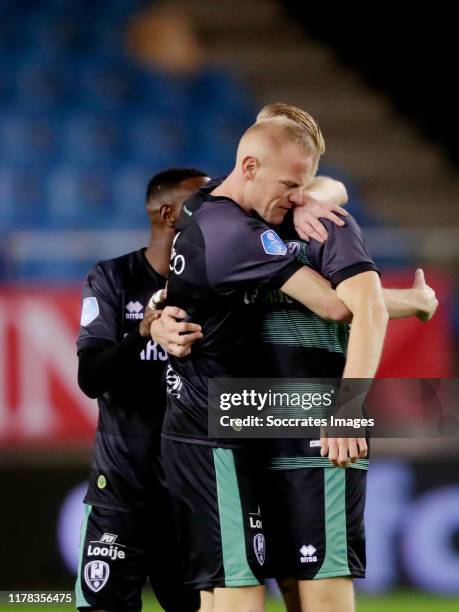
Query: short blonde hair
280, 110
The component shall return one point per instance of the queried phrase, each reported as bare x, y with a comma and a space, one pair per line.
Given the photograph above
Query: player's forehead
295, 166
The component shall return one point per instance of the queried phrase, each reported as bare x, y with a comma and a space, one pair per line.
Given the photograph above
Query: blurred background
95, 97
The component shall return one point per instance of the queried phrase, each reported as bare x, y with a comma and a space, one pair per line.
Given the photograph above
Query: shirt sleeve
101, 367
245, 250
344, 254
100, 318
103, 352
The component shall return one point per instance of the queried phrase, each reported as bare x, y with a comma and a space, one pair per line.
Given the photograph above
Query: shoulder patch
89, 311
272, 244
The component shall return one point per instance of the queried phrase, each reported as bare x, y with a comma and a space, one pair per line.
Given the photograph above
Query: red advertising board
40, 401
420, 350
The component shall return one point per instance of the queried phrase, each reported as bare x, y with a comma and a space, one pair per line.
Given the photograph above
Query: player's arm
323, 199
100, 366
418, 301
249, 252
315, 292
101, 363
364, 297
102, 355
345, 261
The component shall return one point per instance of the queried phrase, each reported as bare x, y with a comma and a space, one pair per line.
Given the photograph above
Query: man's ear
167, 215
250, 166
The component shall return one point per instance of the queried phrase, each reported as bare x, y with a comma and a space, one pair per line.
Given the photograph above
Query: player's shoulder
122, 262
351, 227
225, 218
221, 207
113, 271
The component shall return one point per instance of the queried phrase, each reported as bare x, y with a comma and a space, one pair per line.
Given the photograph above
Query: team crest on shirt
272, 244
96, 574
259, 547
89, 311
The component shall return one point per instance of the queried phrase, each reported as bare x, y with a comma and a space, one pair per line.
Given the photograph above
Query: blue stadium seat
218, 135
40, 84
91, 139
218, 92
103, 84
166, 94
6, 202
57, 270
9, 42
155, 140
129, 189
80, 197
43, 31
83, 127
6, 6
27, 139
208, 92
23, 193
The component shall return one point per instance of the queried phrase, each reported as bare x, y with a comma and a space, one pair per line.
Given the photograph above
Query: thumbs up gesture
427, 298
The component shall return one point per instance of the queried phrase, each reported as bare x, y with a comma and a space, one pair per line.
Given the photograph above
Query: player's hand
427, 298
306, 217
148, 318
343, 451
176, 337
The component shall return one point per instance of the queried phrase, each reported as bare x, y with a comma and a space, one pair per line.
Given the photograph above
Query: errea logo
308, 554
133, 310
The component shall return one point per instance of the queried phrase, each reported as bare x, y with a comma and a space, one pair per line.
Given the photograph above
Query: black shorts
120, 550
314, 522
213, 491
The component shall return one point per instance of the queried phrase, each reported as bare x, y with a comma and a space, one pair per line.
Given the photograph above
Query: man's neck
158, 251
230, 188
